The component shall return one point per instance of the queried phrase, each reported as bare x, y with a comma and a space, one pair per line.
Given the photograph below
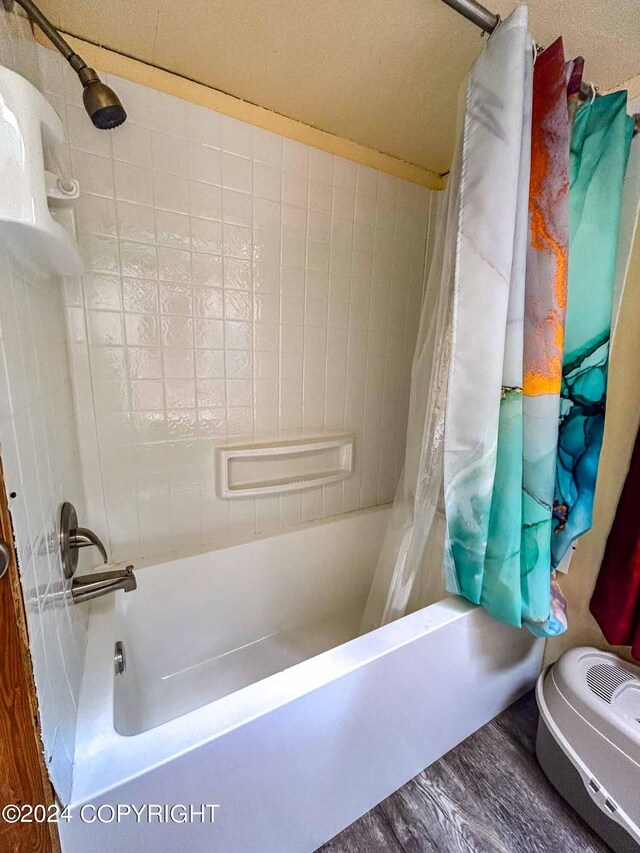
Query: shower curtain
546, 299
483, 435
476, 179
418, 493
600, 148
574, 204
495, 387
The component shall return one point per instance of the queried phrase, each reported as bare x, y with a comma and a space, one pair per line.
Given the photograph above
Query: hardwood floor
488, 794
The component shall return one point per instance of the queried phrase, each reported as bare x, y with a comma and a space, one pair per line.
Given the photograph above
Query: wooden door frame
23, 774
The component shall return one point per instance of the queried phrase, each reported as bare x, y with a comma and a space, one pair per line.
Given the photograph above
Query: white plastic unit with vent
31, 229
282, 466
588, 741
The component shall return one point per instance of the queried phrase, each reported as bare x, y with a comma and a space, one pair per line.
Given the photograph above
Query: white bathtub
246, 689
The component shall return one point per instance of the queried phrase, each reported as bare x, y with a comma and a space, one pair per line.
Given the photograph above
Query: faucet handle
82, 537
72, 538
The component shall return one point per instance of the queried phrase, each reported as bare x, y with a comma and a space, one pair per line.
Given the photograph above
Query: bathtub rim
98, 742
153, 559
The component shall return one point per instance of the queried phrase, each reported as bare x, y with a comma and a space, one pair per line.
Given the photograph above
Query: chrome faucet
97, 584
86, 587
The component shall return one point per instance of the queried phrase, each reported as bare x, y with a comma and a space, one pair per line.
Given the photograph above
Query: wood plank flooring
486, 795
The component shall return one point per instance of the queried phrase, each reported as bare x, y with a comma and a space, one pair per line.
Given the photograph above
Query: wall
187, 89
621, 426
240, 287
39, 446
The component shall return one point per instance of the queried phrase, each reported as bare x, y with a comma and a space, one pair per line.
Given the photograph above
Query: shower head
100, 101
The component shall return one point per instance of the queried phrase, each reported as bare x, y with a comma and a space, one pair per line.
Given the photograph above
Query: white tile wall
239, 286
39, 448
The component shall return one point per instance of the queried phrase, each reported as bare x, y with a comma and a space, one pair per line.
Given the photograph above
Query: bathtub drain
120, 658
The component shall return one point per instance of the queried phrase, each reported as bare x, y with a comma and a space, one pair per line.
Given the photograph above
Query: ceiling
384, 73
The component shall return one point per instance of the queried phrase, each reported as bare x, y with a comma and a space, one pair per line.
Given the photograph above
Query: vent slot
605, 678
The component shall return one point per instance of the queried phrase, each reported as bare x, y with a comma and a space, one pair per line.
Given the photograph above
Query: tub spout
95, 585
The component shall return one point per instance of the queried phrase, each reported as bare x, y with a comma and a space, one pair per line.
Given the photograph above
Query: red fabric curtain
616, 598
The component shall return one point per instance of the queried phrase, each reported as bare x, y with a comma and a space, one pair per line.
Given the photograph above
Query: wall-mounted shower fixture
96, 584
100, 101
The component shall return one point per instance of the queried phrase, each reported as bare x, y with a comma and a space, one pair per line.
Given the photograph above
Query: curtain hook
594, 92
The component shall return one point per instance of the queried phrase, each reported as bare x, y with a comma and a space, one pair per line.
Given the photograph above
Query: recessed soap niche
270, 468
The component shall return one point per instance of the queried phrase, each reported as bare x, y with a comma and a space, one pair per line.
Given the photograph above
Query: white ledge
282, 466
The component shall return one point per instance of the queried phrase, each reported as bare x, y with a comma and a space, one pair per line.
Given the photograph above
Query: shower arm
487, 22
101, 102
76, 62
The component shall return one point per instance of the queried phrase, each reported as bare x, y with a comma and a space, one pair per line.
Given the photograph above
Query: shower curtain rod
487, 22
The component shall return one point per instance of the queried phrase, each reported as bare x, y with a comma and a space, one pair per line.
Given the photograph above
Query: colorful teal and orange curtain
600, 147
508, 382
514, 583
483, 412
545, 306
531, 318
